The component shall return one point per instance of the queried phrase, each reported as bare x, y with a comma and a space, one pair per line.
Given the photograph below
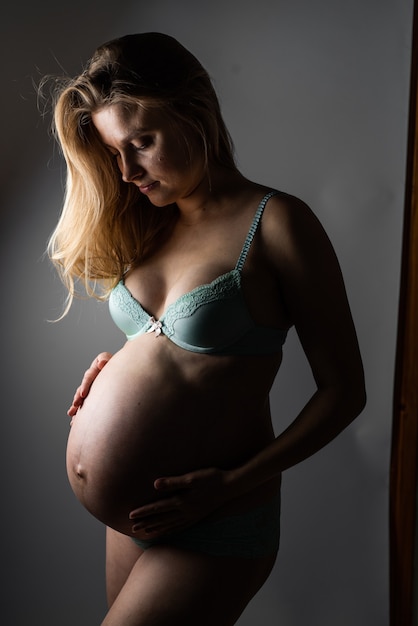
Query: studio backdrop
315, 95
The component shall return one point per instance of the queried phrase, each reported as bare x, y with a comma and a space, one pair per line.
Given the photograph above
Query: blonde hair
107, 225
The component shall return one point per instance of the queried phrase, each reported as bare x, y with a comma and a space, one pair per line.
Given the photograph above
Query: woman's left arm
315, 297
314, 294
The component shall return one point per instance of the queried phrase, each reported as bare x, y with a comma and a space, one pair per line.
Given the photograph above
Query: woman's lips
147, 188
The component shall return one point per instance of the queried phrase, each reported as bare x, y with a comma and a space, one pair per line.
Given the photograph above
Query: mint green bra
211, 319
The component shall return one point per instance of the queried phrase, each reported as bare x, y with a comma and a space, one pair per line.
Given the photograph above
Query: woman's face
151, 153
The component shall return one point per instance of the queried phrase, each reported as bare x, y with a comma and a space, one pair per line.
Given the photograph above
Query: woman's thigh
121, 555
167, 586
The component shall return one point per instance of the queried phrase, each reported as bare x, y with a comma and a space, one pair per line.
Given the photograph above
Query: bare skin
163, 437
165, 586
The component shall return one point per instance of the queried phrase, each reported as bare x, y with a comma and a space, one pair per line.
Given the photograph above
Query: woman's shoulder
285, 213
291, 229
284, 205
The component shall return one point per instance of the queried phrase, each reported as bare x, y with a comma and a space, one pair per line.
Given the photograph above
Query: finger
89, 377
148, 525
101, 360
154, 528
162, 507
174, 483
148, 532
76, 404
93, 371
78, 398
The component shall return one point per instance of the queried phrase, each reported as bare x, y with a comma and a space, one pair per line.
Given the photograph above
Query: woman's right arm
89, 376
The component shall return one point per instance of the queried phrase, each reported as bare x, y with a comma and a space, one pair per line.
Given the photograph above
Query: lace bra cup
211, 319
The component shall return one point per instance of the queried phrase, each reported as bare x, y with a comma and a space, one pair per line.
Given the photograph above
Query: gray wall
315, 95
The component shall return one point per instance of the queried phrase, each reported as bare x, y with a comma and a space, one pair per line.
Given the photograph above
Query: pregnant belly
146, 417
130, 430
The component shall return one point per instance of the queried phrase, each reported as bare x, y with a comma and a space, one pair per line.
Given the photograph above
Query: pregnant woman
171, 444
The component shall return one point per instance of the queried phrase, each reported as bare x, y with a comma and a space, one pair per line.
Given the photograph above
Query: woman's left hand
186, 500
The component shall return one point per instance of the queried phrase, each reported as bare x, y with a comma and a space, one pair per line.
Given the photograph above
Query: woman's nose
130, 169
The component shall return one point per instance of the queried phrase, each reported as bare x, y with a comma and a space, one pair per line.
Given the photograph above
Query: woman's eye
143, 144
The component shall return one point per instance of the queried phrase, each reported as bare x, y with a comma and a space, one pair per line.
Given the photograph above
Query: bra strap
253, 230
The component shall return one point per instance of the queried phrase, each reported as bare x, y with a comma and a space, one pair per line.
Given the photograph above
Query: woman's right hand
89, 376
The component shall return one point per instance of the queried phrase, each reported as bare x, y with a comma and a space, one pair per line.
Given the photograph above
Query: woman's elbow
354, 398
360, 401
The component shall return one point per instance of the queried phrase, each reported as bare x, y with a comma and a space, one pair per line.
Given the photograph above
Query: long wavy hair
107, 225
